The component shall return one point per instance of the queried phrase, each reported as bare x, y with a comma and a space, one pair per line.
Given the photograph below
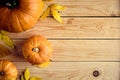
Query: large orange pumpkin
37, 50
19, 15
8, 70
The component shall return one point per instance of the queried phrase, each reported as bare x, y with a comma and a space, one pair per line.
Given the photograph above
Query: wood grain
74, 28
74, 70
88, 40
78, 50
90, 7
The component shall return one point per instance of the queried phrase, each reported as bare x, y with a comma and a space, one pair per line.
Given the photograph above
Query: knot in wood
96, 73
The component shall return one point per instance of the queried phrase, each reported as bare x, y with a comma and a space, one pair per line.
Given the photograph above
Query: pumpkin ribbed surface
19, 15
8, 70
37, 50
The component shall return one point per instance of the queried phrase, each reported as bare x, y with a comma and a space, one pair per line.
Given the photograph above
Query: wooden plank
75, 28
78, 50
74, 70
90, 7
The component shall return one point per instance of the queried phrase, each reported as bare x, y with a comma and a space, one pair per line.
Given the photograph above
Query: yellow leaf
43, 4
56, 15
22, 77
4, 32
45, 14
27, 74
0, 36
7, 41
57, 7
45, 64
48, 0
42, 7
35, 78
4, 51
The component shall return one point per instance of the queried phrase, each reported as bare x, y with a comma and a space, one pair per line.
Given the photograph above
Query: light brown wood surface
90, 7
88, 40
75, 28
74, 70
78, 50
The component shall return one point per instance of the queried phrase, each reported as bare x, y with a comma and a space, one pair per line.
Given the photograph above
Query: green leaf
35, 78
7, 41
27, 74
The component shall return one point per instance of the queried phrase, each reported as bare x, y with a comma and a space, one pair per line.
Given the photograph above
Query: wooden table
88, 41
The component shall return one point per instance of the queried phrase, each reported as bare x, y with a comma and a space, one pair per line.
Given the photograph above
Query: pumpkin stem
2, 73
9, 3
36, 49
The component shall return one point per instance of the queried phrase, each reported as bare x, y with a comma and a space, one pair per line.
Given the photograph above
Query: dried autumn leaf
3, 32
48, 0
43, 4
57, 7
35, 78
7, 41
45, 64
45, 14
0, 36
56, 15
4, 51
27, 74
22, 77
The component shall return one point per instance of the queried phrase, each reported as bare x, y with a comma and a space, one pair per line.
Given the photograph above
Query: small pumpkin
19, 15
37, 50
8, 70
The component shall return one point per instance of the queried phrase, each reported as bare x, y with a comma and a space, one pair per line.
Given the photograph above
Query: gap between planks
90, 7
74, 28
73, 38
87, 16
77, 50
73, 70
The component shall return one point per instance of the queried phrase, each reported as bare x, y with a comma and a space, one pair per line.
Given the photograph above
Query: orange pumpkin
19, 15
37, 50
8, 70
